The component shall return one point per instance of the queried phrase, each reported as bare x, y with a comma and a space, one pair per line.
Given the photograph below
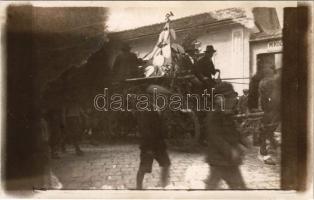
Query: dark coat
152, 133
270, 93
223, 137
265, 90
253, 91
243, 101
187, 62
125, 66
205, 67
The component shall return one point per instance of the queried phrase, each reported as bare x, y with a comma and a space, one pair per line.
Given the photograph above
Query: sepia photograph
137, 97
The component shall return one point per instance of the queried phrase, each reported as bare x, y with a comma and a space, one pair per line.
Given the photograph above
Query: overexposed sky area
123, 18
125, 15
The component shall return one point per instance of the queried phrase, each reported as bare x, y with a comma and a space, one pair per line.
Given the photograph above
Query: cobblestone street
115, 166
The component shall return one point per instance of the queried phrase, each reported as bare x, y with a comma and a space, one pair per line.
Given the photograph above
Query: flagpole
168, 15
172, 71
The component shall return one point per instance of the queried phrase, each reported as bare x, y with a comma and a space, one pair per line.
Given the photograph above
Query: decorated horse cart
163, 67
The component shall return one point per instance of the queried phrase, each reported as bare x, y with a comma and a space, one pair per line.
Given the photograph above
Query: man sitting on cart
205, 68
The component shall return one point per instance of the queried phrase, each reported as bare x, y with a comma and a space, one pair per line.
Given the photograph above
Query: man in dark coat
125, 64
225, 144
253, 97
253, 91
269, 93
205, 68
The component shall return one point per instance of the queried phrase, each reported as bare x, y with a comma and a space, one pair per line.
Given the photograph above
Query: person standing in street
153, 146
270, 120
253, 95
72, 116
225, 144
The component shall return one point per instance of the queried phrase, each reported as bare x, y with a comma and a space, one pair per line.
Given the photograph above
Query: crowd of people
219, 131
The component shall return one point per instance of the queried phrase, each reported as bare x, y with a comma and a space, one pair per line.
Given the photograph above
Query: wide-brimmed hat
210, 49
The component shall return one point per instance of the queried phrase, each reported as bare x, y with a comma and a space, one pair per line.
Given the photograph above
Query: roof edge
267, 37
215, 24
238, 14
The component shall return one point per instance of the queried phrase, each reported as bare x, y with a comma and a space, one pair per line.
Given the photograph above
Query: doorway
269, 59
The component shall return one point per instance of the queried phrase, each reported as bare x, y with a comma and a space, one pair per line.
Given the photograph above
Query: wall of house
232, 56
265, 46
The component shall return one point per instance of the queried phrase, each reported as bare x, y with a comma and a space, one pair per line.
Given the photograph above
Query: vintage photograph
158, 96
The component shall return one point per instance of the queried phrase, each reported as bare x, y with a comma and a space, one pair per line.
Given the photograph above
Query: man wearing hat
205, 68
125, 64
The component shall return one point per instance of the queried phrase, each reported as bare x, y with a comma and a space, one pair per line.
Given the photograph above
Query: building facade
228, 30
267, 49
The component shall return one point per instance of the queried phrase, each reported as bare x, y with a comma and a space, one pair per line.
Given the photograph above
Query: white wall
232, 57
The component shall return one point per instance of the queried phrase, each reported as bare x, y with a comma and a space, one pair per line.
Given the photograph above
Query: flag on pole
163, 45
161, 55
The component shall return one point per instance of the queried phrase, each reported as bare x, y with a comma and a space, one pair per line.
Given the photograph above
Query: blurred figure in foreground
225, 143
152, 146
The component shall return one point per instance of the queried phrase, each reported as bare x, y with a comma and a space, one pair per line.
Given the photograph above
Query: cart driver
204, 68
